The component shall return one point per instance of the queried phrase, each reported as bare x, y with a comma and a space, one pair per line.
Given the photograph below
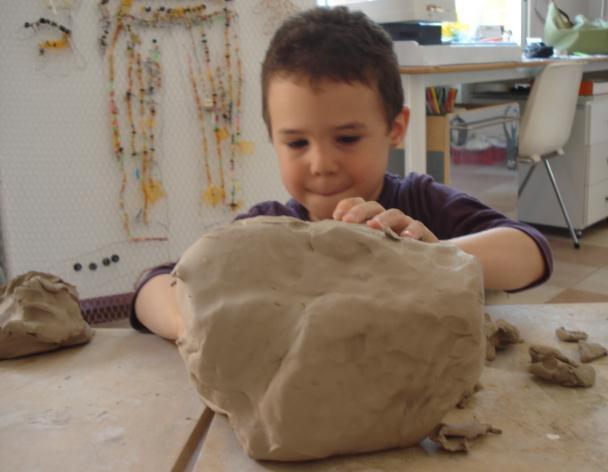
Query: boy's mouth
330, 192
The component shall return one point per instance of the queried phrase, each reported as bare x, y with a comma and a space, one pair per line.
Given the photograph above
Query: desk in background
416, 79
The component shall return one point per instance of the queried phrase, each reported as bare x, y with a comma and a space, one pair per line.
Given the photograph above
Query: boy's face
332, 141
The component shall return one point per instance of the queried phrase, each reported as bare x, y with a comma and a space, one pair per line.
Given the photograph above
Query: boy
332, 103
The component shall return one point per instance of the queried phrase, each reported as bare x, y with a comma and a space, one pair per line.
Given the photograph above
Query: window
472, 13
505, 13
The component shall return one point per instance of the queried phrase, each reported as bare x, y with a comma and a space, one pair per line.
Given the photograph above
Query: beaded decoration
216, 90
63, 42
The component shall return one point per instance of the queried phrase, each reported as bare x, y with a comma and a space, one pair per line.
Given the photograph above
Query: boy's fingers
393, 218
344, 206
363, 212
416, 230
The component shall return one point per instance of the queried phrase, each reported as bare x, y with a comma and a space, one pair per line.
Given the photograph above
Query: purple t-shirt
447, 212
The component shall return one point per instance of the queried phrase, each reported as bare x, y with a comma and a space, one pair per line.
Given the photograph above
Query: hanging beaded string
233, 113
106, 24
153, 190
144, 177
214, 195
131, 41
62, 43
200, 109
114, 113
226, 89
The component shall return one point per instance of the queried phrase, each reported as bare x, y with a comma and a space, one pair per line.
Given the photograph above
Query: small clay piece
550, 364
539, 353
467, 396
39, 312
490, 329
569, 336
455, 437
499, 334
591, 351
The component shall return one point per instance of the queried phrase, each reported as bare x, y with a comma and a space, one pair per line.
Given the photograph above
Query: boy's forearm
510, 258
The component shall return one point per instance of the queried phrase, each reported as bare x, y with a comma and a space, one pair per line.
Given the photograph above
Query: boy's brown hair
339, 45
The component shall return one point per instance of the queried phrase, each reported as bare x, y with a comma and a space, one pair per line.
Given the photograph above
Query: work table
124, 402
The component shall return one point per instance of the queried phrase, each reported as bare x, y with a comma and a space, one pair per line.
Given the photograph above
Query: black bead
115, 258
92, 266
78, 267
106, 261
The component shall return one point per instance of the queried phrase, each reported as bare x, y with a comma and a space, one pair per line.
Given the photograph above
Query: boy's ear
399, 127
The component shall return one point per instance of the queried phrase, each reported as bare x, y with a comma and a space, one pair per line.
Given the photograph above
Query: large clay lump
328, 338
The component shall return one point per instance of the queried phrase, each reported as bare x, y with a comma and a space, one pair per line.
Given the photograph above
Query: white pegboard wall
59, 182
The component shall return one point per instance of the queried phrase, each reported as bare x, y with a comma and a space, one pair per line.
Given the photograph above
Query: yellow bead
213, 195
153, 190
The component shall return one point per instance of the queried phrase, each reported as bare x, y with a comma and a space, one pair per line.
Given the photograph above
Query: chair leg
561, 204
521, 188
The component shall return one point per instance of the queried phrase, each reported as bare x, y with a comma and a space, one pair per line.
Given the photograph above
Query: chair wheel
577, 246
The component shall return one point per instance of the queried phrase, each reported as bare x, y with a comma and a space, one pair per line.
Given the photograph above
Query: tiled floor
579, 275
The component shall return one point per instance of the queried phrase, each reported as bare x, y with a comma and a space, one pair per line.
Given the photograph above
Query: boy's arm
510, 258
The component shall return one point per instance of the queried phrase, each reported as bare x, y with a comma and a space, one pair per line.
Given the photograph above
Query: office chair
547, 121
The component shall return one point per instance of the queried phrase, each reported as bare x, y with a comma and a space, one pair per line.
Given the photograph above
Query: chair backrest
547, 119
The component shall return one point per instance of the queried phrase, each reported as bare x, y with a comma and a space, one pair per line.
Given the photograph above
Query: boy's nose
322, 161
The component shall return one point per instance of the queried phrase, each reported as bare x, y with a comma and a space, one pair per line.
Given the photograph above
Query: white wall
59, 182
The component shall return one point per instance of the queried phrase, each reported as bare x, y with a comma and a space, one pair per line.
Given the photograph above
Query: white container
410, 53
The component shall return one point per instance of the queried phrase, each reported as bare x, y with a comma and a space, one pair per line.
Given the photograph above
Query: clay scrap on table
570, 336
591, 351
456, 437
328, 338
39, 312
550, 364
499, 334
467, 396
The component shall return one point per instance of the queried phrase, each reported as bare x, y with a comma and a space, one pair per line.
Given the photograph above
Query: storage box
410, 53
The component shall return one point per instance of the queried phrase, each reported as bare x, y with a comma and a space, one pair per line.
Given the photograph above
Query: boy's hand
357, 210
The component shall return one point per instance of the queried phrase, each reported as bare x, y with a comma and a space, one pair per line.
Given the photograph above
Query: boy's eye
348, 139
300, 143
